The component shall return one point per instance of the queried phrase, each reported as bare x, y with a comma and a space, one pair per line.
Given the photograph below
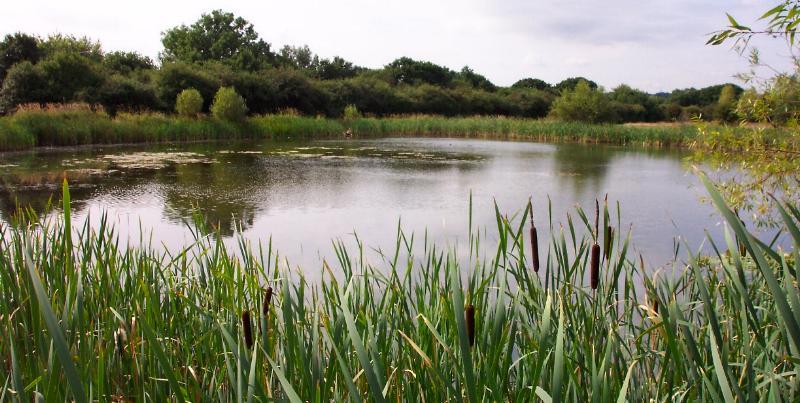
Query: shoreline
41, 130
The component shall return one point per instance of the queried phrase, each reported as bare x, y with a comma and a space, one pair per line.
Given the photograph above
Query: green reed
84, 317
81, 126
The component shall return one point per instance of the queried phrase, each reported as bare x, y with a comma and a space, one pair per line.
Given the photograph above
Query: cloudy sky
653, 45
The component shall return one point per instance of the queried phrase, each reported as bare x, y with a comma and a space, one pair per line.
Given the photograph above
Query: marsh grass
420, 326
80, 125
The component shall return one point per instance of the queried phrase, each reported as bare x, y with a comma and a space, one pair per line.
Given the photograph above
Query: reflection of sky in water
304, 194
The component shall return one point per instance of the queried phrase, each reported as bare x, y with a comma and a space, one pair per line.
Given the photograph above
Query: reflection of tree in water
583, 167
43, 197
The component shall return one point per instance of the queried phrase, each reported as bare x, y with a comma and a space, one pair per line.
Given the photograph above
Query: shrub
228, 105
189, 102
583, 104
351, 112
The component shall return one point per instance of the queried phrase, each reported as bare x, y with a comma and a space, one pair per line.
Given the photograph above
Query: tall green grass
84, 318
82, 126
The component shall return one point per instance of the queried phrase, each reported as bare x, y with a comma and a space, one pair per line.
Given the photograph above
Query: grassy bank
81, 126
84, 317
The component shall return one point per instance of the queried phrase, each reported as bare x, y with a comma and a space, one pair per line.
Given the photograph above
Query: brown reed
534, 242
469, 313
247, 328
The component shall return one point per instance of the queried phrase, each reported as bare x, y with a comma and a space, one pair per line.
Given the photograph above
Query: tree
83, 46
175, 77
300, 57
632, 105
757, 163
219, 36
229, 105
413, 72
583, 104
335, 69
70, 77
17, 48
189, 103
570, 84
127, 62
475, 80
725, 109
24, 83
120, 92
532, 83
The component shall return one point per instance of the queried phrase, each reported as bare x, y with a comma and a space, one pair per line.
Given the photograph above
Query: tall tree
219, 36
16, 48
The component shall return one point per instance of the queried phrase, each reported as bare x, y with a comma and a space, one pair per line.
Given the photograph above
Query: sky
651, 45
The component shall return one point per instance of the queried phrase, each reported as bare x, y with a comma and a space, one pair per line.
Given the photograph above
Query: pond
304, 194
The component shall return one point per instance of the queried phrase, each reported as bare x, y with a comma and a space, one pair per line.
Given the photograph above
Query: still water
304, 194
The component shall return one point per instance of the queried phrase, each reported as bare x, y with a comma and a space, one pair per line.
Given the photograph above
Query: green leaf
56, 333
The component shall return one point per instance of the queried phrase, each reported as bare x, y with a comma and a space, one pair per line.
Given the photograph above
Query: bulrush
469, 313
534, 243
120, 340
267, 301
247, 327
595, 258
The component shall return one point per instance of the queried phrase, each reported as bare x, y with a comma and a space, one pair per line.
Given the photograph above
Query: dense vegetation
222, 50
78, 124
84, 317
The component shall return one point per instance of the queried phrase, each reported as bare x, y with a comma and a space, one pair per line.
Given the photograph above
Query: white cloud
653, 45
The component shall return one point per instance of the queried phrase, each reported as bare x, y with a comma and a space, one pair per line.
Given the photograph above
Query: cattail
608, 242
469, 313
595, 266
267, 301
595, 258
247, 327
534, 245
655, 305
120, 340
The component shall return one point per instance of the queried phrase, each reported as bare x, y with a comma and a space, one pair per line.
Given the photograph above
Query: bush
229, 105
189, 103
583, 104
351, 112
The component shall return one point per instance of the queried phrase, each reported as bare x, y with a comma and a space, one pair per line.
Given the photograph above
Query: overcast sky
652, 45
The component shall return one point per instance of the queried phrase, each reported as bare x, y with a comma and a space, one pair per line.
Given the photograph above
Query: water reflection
306, 193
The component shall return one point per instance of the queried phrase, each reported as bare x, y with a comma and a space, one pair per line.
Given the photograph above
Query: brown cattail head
469, 313
608, 242
267, 301
247, 328
120, 340
655, 305
534, 248
595, 266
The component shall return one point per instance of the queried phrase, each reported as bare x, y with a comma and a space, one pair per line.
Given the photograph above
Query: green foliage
70, 77
189, 103
24, 83
701, 97
166, 325
175, 77
569, 84
725, 109
127, 62
119, 92
532, 83
83, 46
475, 80
16, 48
218, 36
632, 105
583, 104
350, 113
229, 105
413, 72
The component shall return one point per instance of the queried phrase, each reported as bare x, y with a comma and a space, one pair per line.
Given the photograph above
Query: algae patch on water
145, 160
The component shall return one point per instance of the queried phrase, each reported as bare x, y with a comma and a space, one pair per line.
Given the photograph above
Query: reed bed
86, 318
81, 125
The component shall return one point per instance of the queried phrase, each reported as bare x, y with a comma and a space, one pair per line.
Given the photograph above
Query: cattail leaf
56, 333
458, 313
291, 394
623, 392
163, 361
361, 352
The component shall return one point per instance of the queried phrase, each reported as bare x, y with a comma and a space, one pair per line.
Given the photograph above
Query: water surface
304, 194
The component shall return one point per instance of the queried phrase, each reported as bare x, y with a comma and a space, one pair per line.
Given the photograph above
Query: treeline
222, 50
